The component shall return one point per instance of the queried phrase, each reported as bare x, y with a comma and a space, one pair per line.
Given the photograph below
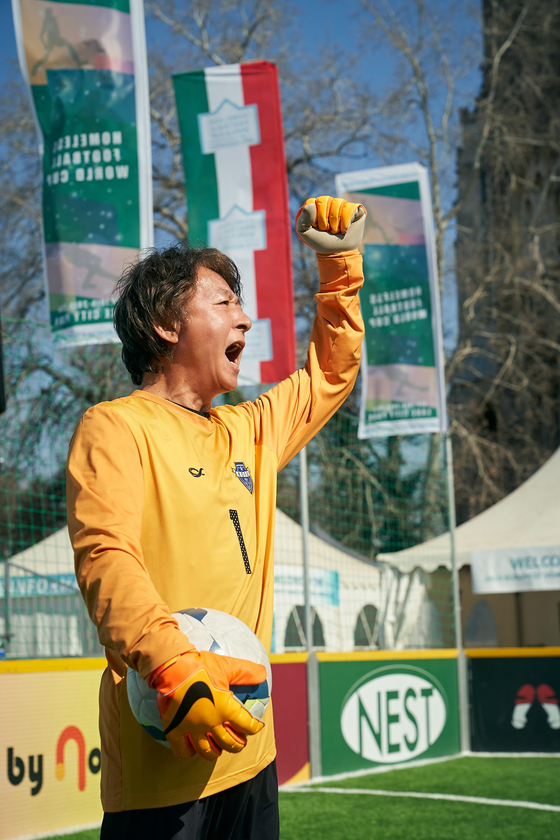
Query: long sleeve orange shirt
152, 493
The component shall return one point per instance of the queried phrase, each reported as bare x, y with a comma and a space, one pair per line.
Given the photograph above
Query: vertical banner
85, 64
237, 192
403, 386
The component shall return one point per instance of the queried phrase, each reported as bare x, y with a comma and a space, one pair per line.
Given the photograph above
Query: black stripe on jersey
235, 519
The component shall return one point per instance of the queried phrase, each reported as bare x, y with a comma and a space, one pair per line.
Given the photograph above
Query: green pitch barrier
381, 711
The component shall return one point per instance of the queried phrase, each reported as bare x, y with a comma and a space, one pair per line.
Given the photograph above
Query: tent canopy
54, 555
527, 518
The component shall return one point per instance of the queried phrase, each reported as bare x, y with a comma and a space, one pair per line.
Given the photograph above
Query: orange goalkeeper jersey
169, 509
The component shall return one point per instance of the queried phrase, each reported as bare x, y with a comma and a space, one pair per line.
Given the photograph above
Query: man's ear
169, 333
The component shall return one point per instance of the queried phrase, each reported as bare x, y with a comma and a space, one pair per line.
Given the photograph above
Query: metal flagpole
7, 623
6, 637
462, 676
313, 697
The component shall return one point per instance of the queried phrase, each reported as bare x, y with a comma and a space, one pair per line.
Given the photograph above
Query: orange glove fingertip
334, 214
323, 204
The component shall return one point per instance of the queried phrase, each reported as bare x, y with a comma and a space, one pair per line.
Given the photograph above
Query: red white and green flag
237, 194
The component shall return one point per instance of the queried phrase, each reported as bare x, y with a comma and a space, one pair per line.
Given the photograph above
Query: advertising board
515, 701
49, 745
387, 711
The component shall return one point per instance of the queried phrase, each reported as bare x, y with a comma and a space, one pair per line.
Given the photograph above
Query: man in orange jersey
162, 517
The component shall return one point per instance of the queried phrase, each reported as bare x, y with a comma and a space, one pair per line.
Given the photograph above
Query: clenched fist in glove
199, 712
331, 225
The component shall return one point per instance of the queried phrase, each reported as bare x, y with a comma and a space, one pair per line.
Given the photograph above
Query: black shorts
248, 811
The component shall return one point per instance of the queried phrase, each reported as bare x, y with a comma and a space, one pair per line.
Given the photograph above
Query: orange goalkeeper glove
330, 225
199, 712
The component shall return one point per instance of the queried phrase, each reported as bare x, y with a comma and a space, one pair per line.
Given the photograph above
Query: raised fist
330, 225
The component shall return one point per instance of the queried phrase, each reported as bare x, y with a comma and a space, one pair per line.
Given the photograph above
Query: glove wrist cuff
169, 676
338, 255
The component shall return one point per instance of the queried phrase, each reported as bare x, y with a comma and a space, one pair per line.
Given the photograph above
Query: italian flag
237, 194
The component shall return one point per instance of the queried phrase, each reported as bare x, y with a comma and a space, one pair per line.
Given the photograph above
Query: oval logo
394, 715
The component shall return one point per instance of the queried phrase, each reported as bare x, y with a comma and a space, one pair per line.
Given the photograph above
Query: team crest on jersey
243, 474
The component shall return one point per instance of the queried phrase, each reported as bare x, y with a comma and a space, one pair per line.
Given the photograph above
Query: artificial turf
361, 817
529, 779
329, 816
334, 816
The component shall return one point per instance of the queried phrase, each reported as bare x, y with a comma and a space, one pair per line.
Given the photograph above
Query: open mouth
233, 353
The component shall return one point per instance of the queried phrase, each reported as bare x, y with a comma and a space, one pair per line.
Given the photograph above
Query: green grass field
359, 816
362, 816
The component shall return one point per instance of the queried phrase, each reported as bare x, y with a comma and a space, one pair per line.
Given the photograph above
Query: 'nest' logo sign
394, 714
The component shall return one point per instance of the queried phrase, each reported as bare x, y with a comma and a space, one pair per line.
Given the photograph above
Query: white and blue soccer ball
220, 633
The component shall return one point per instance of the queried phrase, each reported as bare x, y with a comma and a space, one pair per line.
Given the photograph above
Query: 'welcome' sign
515, 569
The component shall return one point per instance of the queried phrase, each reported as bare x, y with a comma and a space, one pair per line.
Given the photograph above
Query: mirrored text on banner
86, 69
402, 360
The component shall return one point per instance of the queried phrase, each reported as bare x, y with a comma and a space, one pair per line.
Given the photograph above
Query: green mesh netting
47, 392
366, 498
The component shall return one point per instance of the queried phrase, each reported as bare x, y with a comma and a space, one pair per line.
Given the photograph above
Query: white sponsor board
515, 569
394, 715
324, 585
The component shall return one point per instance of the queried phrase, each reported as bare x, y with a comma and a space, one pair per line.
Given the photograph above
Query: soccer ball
217, 632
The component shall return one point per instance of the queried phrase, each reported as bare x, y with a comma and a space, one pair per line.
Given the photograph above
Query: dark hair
154, 291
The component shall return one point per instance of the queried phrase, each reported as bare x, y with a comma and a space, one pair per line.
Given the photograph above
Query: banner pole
7, 635
143, 126
304, 514
2, 377
313, 695
462, 676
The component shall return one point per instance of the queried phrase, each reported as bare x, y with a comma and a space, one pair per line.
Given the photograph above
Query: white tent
528, 517
51, 557
45, 614
341, 586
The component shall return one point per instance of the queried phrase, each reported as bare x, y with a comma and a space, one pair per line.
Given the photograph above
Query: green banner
382, 712
85, 64
403, 389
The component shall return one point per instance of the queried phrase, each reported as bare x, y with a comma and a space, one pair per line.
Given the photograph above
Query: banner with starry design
85, 64
403, 386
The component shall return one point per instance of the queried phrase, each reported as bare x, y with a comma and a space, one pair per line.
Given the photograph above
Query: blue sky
7, 39
320, 22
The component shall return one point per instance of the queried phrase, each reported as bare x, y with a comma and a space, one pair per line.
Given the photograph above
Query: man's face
211, 337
